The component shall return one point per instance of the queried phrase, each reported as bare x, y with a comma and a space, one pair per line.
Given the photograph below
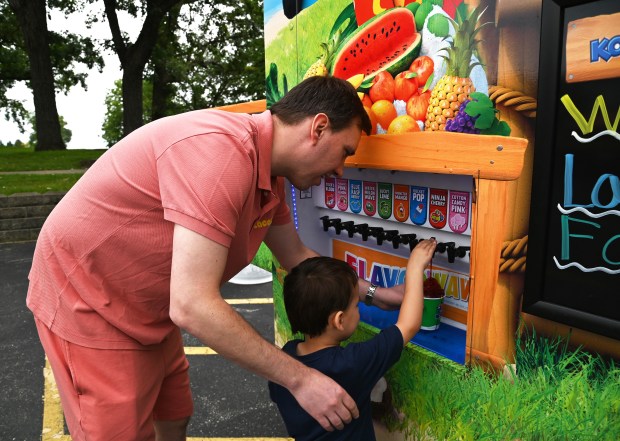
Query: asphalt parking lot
230, 403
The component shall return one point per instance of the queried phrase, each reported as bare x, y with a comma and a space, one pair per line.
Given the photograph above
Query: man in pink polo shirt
143, 242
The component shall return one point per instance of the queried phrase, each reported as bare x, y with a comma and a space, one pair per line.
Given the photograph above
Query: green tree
206, 54
134, 56
113, 122
44, 60
223, 54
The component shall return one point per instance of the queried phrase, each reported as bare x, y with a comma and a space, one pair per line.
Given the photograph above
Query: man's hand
325, 400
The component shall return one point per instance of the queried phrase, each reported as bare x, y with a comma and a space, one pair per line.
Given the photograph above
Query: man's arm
196, 305
285, 244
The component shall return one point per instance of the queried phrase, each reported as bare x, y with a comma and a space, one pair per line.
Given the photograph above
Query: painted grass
263, 258
558, 394
311, 26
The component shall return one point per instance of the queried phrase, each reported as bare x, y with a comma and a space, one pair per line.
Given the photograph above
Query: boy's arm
410, 315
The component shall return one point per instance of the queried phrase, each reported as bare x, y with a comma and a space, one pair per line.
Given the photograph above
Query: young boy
321, 297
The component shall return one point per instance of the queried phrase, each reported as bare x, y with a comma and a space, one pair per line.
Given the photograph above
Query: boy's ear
336, 319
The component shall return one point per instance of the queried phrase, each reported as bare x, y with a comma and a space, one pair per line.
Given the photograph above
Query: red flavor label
438, 207
330, 192
370, 198
401, 202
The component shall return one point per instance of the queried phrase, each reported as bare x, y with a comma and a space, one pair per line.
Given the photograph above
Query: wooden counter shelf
488, 157
492, 161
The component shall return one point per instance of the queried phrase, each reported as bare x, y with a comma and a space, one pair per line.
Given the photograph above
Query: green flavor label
385, 200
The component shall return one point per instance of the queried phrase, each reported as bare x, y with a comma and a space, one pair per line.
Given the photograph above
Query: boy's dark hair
332, 96
314, 289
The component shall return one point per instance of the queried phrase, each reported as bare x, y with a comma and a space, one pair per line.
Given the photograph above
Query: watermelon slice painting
388, 41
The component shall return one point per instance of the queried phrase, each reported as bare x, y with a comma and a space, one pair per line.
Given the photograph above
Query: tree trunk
132, 97
133, 57
163, 76
31, 15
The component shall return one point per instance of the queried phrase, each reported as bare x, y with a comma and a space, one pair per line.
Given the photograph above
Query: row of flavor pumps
393, 236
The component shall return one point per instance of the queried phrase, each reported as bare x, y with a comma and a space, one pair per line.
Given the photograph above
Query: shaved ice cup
431, 314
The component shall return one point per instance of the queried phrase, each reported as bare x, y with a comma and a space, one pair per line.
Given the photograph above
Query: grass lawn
14, 159
24, 159
11, 184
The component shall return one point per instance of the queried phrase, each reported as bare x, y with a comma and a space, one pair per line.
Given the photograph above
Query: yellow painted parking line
257, 301
53, 418
199, 350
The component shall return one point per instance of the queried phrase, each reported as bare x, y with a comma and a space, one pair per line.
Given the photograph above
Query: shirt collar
264, 142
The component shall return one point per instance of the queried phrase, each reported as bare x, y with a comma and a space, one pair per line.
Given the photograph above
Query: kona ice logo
604, 49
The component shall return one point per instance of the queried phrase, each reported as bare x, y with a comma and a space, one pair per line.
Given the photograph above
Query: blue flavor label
419, 204
355, 196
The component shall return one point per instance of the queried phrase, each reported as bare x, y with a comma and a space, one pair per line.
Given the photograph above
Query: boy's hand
421, 255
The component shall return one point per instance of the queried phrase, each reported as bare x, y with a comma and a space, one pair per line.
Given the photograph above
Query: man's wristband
370, 294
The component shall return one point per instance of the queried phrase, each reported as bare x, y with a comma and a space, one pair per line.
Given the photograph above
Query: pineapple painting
455, 86
319, 67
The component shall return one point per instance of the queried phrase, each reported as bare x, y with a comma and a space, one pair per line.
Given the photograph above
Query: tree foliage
190, 54
222, 51
206, 54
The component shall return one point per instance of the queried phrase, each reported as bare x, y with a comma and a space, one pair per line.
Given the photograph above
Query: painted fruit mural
413, 58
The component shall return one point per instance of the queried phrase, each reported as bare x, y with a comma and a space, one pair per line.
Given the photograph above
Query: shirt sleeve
204, 181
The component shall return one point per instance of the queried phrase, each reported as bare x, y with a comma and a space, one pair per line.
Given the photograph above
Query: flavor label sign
385, 200
370, 198
458, 217
342, 194
438, 207
387, 270
330, 192
401, 202
355, 196
419, 204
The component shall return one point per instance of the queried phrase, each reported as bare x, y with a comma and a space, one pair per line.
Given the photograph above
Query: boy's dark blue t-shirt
357, 368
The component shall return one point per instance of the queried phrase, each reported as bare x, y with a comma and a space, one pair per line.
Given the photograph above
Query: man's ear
320, 123
336, 319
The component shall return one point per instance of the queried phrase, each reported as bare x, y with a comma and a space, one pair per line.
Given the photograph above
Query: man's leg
174, 404
109, 394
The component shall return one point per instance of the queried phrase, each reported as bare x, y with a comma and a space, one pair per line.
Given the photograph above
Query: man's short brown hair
332, 96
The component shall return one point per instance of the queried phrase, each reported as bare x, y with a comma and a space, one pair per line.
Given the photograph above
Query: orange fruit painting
403, 124
385, 112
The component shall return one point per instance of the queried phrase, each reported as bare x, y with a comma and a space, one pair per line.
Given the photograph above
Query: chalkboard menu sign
573, 257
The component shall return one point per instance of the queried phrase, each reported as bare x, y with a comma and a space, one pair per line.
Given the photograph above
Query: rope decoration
513, 257
511, 98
